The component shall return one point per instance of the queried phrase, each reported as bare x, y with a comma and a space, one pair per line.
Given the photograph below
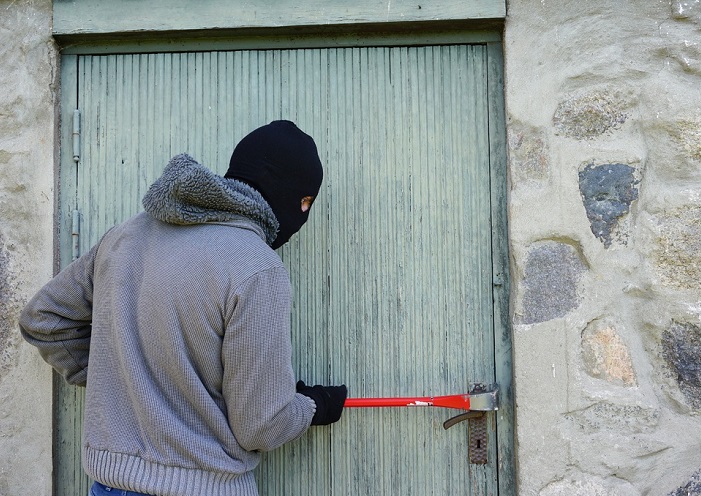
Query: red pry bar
457, 401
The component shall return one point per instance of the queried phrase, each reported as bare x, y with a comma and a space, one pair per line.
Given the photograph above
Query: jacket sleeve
264, 409
58, 319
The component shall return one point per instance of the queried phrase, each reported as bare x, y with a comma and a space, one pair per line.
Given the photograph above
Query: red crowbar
480, 399
458, 401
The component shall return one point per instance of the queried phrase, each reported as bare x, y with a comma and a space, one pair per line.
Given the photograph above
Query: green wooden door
398, 276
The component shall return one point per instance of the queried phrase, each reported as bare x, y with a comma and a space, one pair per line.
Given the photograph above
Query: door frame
66, 417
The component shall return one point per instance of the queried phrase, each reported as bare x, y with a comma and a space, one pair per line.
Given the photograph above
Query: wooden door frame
431, 35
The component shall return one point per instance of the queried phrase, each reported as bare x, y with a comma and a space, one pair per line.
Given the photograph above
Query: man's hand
329, 401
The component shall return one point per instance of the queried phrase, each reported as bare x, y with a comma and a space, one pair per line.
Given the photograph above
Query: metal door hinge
75, 222
76, 136
75, 235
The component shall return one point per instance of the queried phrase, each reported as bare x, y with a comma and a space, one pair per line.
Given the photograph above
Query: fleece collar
189, 193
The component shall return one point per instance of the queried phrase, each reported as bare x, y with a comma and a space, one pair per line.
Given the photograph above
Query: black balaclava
282, 163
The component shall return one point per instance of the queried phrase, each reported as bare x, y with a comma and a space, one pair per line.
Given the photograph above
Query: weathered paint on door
394, 275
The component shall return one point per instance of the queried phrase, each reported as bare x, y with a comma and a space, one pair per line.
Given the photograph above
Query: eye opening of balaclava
282, 163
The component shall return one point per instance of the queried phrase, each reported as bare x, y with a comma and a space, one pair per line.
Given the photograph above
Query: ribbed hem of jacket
136, 474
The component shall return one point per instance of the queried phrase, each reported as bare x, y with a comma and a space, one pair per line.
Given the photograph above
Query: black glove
329, 401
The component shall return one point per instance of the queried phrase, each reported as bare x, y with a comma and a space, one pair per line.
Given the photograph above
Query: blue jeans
98, 489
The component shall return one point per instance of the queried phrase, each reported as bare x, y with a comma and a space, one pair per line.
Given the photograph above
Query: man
178, 321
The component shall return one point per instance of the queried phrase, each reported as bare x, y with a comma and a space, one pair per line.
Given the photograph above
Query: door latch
482, 399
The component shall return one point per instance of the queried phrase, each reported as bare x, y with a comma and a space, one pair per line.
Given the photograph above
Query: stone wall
28, 92
604, 125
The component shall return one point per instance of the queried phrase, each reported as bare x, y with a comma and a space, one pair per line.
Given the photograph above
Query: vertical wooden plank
304, 256
148, 124
66, 442
67, 167
501, 273
483, 369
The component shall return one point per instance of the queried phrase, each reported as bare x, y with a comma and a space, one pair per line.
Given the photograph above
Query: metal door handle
483, 399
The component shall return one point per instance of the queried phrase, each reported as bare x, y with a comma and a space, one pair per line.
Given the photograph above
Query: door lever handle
461, 418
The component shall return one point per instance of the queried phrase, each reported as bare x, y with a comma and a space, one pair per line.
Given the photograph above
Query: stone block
551, 277
677, 254
607, 192
675, 152
681, 350
588, 116
606, 356
528, 154
691, 488
687, 135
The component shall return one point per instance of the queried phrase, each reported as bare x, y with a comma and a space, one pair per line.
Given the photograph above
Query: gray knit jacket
179, 321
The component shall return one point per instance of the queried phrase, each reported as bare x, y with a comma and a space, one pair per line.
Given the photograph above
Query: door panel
392, 275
